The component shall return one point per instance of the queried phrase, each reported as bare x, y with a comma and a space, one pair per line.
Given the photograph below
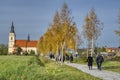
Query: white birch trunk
57, 49
92, 52
88, 47
62, 45
57, 55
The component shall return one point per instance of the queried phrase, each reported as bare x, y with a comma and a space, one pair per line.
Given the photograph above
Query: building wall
111, 49
28, 49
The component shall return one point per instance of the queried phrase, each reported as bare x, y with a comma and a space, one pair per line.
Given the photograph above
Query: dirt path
103, 74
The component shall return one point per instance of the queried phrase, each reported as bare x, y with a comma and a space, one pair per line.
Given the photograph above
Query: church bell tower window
11, 38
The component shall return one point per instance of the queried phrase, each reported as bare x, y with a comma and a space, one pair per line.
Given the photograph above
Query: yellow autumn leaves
61, 34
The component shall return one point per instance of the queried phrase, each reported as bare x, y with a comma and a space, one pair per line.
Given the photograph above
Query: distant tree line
3, 49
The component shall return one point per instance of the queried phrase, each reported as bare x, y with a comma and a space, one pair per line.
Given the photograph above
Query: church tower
12, 38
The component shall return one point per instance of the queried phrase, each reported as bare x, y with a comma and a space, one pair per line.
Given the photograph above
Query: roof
112, 48
25, 43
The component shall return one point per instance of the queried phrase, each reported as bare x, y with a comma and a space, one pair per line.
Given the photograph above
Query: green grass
112, 66
33, 68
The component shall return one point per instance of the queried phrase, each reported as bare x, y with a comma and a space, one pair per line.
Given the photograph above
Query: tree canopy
60, 34
92, 28
118, 31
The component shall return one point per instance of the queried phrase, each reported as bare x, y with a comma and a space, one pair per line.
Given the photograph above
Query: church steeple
28, 37
12, 28
12, 39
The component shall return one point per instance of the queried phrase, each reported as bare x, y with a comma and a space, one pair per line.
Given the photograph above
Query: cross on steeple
12, 28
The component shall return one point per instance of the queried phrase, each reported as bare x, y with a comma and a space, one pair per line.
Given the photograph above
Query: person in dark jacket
90, 61
71, 58
67, 57
99, 60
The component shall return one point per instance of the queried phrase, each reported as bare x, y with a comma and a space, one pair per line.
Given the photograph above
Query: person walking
99, 60
90, 61
71, 58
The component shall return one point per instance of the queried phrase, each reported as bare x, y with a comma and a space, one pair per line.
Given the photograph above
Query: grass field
112, 66
34, 68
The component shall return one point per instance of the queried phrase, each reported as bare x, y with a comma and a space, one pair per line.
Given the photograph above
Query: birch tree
61, 33
118, 31
92, 29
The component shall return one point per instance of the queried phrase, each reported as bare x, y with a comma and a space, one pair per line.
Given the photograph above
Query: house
25, 45
111, 50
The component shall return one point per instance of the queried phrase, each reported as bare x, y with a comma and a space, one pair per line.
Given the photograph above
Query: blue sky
34, 16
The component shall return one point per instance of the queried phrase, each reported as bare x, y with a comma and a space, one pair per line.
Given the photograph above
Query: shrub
116, 58
25, 53
18, 50
35, 61
3, 49
46, 60
32, 52
81, 58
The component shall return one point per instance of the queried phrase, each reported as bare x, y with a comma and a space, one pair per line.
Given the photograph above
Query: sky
34, 16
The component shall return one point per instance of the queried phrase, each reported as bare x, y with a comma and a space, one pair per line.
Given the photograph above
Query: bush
25, 53
32, 52
18, 50
46, 60
35, 61
3, 49
82, 58
117, 58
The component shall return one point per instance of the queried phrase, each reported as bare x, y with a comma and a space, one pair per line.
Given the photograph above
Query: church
26, 45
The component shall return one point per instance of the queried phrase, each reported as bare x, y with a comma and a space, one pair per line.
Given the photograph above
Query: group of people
65, 57
99, 60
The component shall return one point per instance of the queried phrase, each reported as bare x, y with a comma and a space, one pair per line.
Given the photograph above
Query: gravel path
103, 74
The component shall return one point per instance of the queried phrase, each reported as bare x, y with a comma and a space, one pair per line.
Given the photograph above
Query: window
11, 38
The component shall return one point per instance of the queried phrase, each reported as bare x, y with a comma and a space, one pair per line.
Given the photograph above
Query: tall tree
18, 50
61, 33
3, 49
86, 32
118, 31
56, 31
92, 29
68, 28
40, 45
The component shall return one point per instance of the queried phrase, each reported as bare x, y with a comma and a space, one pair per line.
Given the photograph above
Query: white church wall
28, 49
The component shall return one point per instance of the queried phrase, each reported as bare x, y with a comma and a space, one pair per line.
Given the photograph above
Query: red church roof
26, 43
